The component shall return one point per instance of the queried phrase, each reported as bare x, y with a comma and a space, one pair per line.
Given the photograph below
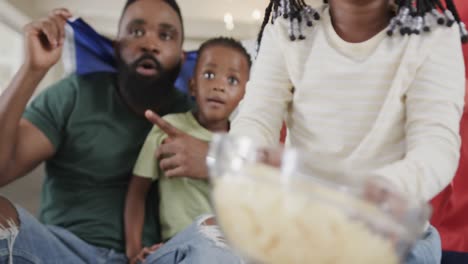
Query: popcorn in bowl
272, 211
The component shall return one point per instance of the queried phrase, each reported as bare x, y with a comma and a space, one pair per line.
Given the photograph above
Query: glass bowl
273, 207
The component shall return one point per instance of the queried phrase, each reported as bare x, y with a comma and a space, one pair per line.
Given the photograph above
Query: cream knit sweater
387, 107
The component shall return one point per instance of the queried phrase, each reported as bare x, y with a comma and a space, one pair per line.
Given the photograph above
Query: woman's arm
434, 105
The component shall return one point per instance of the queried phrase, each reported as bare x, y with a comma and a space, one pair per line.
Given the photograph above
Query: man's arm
31, 148
22, 145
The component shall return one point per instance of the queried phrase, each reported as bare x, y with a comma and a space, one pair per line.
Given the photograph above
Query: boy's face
219, 81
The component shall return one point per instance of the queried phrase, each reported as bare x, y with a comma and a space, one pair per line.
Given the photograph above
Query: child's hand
140, 257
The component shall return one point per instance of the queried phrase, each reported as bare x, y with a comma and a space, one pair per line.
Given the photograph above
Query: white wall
203, 19
10, 54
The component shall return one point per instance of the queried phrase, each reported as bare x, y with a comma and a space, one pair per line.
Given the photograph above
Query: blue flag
87, 51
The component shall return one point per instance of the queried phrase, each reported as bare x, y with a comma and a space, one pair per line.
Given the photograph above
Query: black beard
146, 92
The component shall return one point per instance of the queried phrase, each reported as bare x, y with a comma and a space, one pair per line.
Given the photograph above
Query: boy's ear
192, 86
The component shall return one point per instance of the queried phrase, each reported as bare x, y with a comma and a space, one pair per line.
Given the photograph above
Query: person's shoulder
444, 34
441, 39
77, 81
92, 85
183, 121
95, 79
177, 118
62, 88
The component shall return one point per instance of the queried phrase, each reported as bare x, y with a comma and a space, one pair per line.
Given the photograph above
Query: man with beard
89, 130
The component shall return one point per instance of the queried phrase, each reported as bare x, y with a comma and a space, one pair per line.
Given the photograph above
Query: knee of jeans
427, 250
435, 244
206, 226
9, 220
8, 214
9, 225
433, 235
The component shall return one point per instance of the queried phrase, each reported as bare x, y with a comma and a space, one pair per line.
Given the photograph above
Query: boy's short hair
226, 42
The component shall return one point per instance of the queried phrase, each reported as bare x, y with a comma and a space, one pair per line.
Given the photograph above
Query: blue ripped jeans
36, 243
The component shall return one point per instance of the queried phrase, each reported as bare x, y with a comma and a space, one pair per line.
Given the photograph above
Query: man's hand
44, 40
180, 155
140, 257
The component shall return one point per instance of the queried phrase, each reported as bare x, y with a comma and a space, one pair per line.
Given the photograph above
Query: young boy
218, 85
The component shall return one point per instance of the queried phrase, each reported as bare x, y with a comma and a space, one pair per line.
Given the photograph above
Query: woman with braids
374, 87
378, 91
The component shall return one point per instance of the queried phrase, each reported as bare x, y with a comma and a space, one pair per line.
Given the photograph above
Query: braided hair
296, 11
412, 17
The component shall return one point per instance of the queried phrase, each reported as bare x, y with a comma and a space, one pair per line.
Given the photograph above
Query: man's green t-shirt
183, 199
97, 139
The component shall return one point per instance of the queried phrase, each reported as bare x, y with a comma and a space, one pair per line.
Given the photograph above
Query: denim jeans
428, 250
198, 244
36, 243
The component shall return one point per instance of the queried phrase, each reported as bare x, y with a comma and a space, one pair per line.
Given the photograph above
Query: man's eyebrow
167, 26
137, 21
214, 65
